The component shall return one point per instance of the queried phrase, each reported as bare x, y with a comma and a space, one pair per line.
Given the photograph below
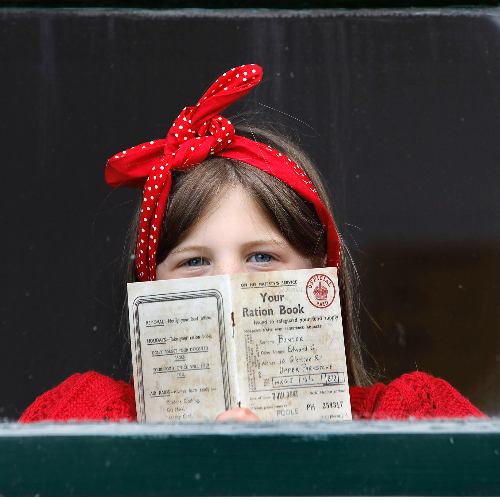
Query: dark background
400, 110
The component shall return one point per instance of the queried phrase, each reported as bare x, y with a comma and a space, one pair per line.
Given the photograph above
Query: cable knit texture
96, 397
415, 395
90, 396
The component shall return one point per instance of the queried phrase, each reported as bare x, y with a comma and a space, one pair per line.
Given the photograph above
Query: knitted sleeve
90, 396
415, 395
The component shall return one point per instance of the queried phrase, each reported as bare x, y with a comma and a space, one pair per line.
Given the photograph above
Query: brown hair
193, 190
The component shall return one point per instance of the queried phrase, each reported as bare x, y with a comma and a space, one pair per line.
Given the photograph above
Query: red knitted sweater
96, 397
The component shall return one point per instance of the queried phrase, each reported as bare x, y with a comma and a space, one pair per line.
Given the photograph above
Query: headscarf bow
198, 133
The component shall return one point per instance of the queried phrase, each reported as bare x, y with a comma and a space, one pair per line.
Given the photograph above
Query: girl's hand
238, 415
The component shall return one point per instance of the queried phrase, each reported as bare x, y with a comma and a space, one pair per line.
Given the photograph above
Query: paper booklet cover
271, 342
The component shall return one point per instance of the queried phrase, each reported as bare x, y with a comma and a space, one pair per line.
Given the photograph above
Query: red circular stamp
320, 290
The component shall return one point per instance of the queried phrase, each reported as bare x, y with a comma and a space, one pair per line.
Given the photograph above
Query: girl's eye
198, 261
260, 257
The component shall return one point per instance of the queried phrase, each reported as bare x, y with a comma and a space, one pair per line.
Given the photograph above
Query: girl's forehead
235, 212
230, 199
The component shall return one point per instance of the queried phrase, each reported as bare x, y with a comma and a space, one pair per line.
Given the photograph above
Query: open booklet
271, 342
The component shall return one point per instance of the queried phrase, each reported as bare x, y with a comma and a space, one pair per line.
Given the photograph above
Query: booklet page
289, 345
181, 360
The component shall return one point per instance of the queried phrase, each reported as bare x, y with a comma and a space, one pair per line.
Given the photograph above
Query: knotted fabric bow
198, 133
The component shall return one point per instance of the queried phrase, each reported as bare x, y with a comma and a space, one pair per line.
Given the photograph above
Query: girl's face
231, 237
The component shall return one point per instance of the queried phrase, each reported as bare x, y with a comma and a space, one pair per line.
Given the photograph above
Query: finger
238, 415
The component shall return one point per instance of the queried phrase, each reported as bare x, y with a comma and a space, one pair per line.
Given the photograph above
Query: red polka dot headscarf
198, 133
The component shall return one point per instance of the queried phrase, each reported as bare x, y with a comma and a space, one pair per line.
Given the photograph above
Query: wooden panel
399, 108
438, 310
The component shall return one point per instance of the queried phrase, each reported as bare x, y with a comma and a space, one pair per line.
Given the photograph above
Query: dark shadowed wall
400, 110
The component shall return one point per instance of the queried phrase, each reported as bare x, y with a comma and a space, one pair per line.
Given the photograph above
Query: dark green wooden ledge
384, 458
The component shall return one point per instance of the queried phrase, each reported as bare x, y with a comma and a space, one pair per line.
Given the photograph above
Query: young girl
223, 199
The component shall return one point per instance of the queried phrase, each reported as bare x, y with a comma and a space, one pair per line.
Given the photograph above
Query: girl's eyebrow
190, 248
256, 243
